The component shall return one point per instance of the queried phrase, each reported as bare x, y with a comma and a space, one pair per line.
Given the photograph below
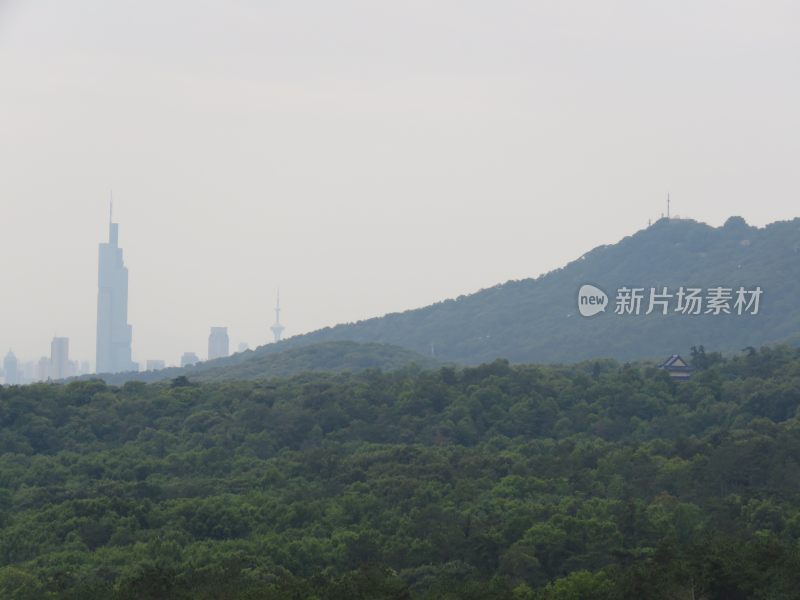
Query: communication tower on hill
277, 328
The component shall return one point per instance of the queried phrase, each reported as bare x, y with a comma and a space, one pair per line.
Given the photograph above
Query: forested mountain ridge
597, 480
324, 357
536, 320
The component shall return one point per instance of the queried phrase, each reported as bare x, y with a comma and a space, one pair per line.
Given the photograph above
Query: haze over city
408, 154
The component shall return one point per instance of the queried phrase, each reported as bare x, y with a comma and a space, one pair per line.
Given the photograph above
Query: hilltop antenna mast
668, 212
277, 328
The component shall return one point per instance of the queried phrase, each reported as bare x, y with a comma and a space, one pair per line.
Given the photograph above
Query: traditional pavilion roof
676, 364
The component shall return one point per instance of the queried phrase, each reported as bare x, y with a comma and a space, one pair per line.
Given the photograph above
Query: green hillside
329, 357
536, 320
498, 482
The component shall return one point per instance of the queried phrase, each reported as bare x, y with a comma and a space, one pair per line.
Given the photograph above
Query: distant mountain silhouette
536, 320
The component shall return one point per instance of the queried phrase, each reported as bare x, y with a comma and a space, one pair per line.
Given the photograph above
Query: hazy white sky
365, 156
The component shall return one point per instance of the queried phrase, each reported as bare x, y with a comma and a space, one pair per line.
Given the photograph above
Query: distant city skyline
55, 366
415, 152
113, 350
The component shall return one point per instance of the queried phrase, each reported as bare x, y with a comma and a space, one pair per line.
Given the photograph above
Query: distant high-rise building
43, 369
155, 365
218, 343
189, 358
60, 367
30, 371
113, 332
10, 368
277, 328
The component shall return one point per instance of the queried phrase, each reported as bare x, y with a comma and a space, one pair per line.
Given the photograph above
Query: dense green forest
535, 320
599, 480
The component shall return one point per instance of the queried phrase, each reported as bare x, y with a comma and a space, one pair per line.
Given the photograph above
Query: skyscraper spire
277, 328
113, 228
113, 331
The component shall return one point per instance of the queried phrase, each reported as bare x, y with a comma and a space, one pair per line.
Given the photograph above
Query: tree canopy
599, 480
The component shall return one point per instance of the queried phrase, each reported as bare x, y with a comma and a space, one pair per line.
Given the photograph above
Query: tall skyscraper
113, 332
218, 343
11, 370
60, 367
277, 328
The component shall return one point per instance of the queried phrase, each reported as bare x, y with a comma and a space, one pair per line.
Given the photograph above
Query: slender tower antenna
113, 231
668, 213
277, 328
